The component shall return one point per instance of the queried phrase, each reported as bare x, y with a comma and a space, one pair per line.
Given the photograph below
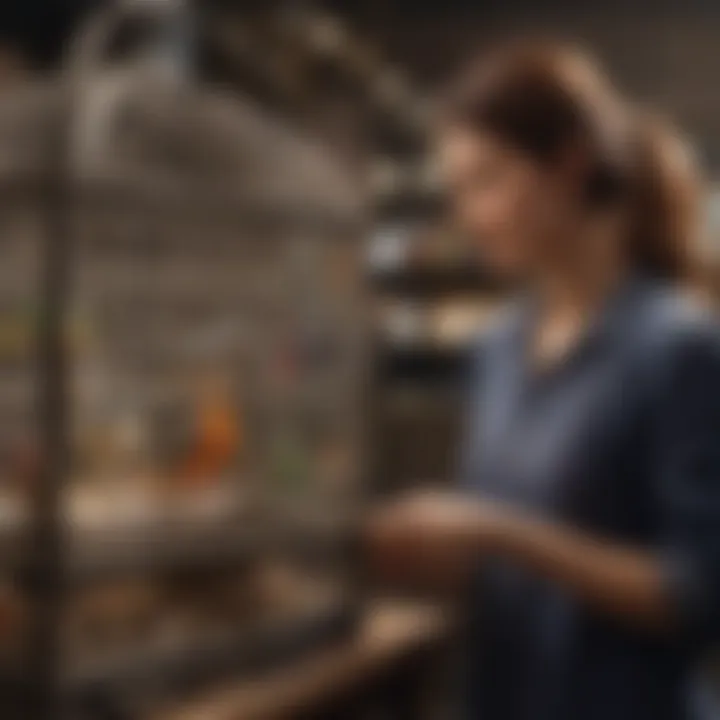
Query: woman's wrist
495, 528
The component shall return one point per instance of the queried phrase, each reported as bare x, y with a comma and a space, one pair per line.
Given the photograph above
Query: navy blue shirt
622, 440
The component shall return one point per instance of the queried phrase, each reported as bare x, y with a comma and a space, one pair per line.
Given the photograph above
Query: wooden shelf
429, 281
148, 549
421, 362
198, 660
412, 206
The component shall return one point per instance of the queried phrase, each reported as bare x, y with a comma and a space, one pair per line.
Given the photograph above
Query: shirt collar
611, 322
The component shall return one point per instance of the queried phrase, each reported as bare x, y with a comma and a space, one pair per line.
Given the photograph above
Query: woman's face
516, 211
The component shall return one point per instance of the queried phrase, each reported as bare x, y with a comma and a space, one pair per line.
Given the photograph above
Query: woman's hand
432, 538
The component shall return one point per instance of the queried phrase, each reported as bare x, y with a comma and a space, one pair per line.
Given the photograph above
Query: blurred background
232, 313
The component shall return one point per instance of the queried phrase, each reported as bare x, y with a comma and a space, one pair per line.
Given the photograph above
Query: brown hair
543, 99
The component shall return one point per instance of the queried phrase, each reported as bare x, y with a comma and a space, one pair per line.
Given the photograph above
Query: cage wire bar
44, 574
112, 142
44, 582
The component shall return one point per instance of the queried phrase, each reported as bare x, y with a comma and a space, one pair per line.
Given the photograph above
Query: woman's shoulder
676, 331
671, 317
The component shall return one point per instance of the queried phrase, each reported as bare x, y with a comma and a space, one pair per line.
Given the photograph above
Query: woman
588, 524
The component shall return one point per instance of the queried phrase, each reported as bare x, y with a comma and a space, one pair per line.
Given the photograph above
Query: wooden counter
391, 634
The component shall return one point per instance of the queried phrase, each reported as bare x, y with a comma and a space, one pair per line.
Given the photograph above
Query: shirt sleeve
687, 448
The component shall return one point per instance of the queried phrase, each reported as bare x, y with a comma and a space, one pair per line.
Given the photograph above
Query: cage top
136, 135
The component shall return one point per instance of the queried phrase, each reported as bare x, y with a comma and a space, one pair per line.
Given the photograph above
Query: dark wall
40, 28
664, 52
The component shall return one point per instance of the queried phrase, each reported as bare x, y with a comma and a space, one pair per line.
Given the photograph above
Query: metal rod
45, 581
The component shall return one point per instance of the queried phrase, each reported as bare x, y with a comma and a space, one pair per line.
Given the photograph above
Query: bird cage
181, 361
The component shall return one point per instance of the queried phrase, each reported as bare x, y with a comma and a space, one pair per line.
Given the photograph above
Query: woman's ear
573, 167
598, 180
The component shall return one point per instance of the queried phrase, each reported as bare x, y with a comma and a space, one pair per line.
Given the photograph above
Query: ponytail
664, 239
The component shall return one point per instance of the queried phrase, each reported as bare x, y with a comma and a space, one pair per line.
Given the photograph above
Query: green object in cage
290, 464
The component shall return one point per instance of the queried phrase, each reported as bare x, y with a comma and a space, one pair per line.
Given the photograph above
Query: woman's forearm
438, 538
628, 583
